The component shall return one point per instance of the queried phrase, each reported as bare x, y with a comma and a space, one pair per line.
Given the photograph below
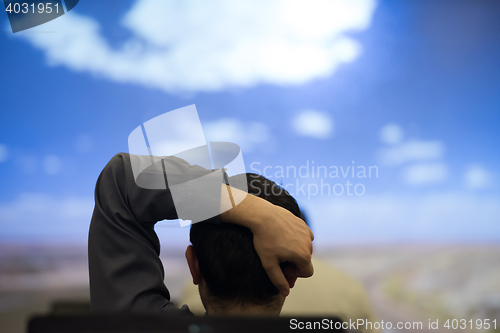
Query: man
329, 293
225, 266
126, 273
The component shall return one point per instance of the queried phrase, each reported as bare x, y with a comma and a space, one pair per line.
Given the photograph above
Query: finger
291, 280
309, 229
277, 277
311, 234
305, 270
310, 247
290, 272
302, 261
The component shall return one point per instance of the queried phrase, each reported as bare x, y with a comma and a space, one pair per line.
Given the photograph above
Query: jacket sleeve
126, 273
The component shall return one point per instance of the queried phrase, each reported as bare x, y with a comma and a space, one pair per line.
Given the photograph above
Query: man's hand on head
283, 238
279, 238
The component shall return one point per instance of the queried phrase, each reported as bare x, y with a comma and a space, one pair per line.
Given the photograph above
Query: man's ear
192, 261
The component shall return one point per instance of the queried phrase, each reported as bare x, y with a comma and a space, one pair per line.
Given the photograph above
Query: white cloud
445, 216
38, 214
424, 173
4, 153
246, 135
52, 164
316, 124
477, 177
415, 150
391, 134
208, 46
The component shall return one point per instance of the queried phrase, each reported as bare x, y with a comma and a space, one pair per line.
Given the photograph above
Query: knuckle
268, 267
306, 256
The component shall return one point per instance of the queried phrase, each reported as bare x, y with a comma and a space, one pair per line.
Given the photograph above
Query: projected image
379, 118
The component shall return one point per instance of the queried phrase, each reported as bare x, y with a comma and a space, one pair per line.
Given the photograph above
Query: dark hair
226, 256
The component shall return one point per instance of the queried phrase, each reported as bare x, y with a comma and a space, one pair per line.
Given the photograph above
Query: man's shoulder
119, 158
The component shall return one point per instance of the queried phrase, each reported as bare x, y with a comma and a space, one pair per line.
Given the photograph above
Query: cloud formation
52, 164
443, 216
415, 150
424, 173
421, 162
39, 215
476, 177
313, 123
208, 46
246, 135
391, 134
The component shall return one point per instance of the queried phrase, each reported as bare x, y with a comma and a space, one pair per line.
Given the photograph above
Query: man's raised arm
126, 273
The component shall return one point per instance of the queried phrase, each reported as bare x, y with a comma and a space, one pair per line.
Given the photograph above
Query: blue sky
408, 87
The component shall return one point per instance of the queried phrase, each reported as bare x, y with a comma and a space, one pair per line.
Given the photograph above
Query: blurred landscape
405, 282
407, 89
422, 282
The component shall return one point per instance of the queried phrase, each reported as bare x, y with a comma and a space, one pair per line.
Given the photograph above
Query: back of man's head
227, 260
